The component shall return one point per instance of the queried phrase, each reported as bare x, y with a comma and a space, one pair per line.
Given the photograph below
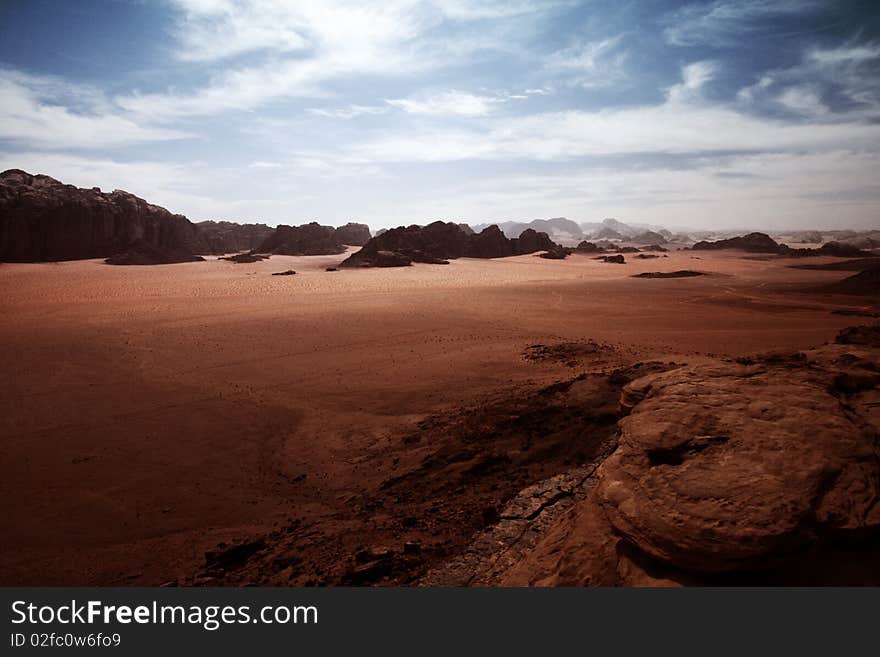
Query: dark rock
655, 247
439, 242
353, 234
868, 336
331, 269
222, 237
245, 258
308, 239
614, 259
144, 253
43, 220
682, 273
752, 243
588, 247
556, 253
289, 272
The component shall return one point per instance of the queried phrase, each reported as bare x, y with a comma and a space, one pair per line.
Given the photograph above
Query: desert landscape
439, 293
478, 422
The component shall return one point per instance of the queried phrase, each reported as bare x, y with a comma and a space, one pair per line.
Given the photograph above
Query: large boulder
764, 471
42, 219
723, 467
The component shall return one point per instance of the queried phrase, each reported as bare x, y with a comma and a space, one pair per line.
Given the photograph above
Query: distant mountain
614, 229
559, 229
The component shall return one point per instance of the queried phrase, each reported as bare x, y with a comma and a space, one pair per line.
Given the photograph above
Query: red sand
150, 412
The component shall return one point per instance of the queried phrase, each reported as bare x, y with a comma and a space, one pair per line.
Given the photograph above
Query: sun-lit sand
150, 412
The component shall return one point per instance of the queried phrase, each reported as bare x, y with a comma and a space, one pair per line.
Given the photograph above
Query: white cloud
725, 22
48, 112
347, 113
843, 73
302, 46
447, 103
591, 64
684, 123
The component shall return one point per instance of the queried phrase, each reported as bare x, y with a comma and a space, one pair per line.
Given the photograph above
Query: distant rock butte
221, 237
753, 243
762, 243
439, 242
308, 239
42, 219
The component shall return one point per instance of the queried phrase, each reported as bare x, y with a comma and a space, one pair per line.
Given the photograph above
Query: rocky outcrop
42, 219
681, 273
752, 243
306, 240
586, 247
559, 229
353, 234
556, 253
221, 237
144, 253
649, 237
764, 471
762, 243
439, 242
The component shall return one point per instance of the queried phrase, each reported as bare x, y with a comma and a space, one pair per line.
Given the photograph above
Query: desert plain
161, 425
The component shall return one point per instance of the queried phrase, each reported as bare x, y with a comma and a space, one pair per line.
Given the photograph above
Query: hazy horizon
695, 115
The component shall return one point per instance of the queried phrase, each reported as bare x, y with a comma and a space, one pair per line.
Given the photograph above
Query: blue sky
761, 114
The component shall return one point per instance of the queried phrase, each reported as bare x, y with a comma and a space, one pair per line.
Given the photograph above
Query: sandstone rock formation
762, 243
353, 234
765, 470
439, 242
221, 237
752, 243
588, 247
42, 219
142, 252
649, 237
308, 239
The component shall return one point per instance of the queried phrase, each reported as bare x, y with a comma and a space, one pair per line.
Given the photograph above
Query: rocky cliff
219, 237
42, 219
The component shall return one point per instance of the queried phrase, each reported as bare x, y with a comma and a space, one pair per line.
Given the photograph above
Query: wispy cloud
590, 64
349, 112
447, 103
727, 22
49, 112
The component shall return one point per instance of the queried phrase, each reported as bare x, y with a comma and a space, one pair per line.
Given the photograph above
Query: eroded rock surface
42, 219
763, 471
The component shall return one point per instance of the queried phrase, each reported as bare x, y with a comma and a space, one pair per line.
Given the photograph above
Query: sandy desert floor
148, 414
